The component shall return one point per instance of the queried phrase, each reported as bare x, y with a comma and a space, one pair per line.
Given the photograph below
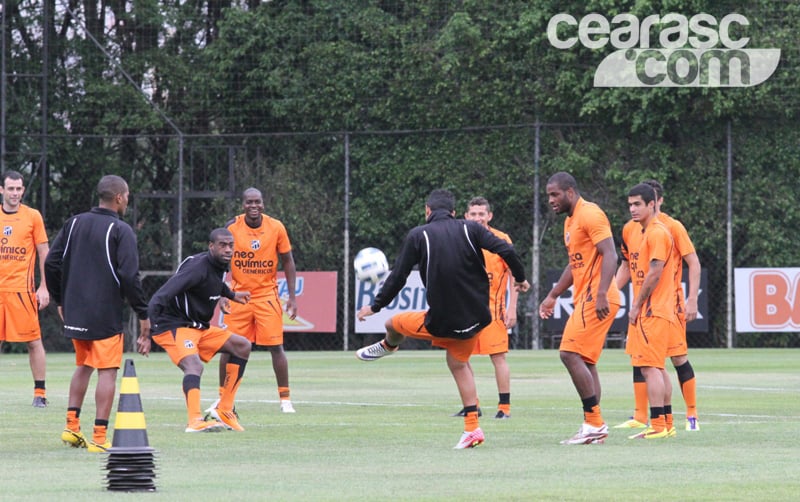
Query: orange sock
505, 408
73, 422
594, 417
233, 377
640, 402
193, 404
471, 421
658, 424
668, 420
100, 434
283, 392
689, 391
39, 392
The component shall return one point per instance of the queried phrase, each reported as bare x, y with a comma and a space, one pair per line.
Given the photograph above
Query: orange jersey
656, 244
587, 227
22, 232
498, 272
254, 266
682, 246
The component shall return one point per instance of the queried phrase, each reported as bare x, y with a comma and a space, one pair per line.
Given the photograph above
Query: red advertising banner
316, 303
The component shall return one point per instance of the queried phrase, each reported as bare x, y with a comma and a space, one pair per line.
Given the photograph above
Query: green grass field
383, 431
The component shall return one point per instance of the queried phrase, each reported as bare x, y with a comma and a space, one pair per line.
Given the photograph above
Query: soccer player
260, 241
651, 316
685, 310
590, 271
180, 312
92, 268
493, 339
24, 237
451, 266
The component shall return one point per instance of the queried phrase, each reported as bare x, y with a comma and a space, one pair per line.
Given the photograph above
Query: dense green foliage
236, 93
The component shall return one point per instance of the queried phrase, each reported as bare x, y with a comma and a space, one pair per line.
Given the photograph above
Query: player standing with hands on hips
259, 242
590, 272
449, 255
92, 268
24, 237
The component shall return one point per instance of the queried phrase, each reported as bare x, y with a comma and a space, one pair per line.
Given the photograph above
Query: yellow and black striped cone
131, 463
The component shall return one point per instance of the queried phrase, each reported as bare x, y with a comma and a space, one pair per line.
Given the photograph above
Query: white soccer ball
371, 265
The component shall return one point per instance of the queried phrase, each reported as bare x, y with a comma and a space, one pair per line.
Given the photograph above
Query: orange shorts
183, 342
99, 354
260, 320
19, 317
584, 333
413, 324
649, 339
493, 339
676, 345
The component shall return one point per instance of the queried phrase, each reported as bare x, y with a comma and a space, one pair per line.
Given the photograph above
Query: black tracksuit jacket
451, 266
91, 270
188, 298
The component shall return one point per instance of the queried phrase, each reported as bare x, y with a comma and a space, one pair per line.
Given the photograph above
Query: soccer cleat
200, 425
692, 424
462, 413
212, 407
501, 415
631, 424
228, 419
98, 447
286, 406
588, 434
39, 402
470, 439
73, 438
651, 433
374, 351
671, 432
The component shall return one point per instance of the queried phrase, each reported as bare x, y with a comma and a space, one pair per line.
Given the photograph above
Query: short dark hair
12, 175
645, 191
479, 201
219, 233
563, 180
251, 189
441, 199
110, 186
655, 184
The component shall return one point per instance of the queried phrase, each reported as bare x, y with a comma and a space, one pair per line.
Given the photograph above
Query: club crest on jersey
255, 244
7, 230
188, 344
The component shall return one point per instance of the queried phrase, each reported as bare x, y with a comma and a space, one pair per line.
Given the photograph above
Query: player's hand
547, 307
364, 312
510, 319
601, 306
691, 309
42, 296
225, 305
143, 343
291, 308
522, 287
633, 314
241, 297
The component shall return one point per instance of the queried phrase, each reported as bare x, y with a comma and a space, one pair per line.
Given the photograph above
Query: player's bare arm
649, 284
42, 294
623, 275
609, 255
290, 271
547, 307
693, 264
364, 312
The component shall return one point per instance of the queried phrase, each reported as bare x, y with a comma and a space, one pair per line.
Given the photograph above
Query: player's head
113, 193
253, 203
478, 209
641, 202
562, 192
13, 188
220, 244
441, 199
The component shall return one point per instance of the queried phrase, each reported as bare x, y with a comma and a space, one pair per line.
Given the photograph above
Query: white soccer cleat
470, 439
374, 351
588, 434
692, 424
286, 406
213, 406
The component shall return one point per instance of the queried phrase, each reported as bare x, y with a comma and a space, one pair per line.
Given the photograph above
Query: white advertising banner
767, 299
410, 298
